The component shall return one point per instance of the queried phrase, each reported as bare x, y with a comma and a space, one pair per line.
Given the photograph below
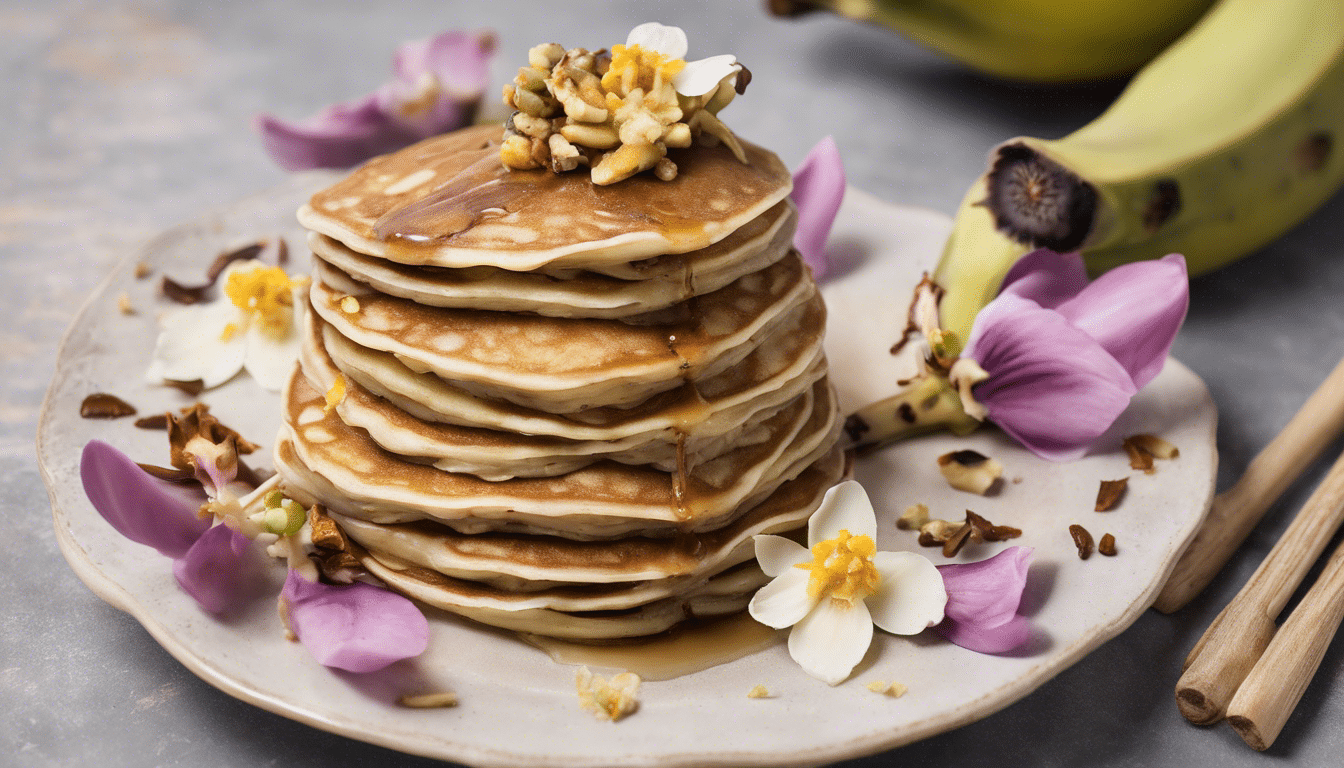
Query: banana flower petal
1085, 352
219, 570
982, 601
818, 190
357, 627
436, 87
141, 507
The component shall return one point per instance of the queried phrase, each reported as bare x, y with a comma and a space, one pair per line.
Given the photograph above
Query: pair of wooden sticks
1243, 668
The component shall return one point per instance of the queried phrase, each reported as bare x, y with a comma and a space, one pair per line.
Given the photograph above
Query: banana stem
974, 262
927, 405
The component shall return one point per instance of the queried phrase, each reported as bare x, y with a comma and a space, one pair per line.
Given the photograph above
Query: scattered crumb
1017, 480
913, 518
970, 471
607, 699
893, 689
350, 305
759, 692
1110, 493
1142, 449
1081, 539
124, 304
101, 405
429, 700
1107, 545
143, 270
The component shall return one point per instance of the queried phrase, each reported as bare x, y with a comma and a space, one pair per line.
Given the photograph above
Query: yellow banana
1220, 145
1033, 40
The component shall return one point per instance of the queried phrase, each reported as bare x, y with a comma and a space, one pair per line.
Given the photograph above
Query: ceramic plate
518, 708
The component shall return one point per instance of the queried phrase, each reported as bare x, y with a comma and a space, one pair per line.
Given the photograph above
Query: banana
1218, 146
1032, 40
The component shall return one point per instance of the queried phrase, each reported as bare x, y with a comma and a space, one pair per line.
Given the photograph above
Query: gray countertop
120, 119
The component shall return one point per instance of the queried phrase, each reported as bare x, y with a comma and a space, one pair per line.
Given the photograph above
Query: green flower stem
928, 404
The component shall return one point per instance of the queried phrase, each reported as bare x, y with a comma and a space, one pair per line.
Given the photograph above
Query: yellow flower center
264, 294
843, 568
634, 66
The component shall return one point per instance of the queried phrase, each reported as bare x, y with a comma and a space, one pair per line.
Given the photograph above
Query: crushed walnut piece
1107, 545
970, 471
892, 689
1082, 540
614, 112
913, 518
101, 405
607, 699
758, 692
1142, 449
1110, 493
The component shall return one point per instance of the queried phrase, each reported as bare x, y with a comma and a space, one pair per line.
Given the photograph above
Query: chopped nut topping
1081, 539
1107, 545
953, 536
936, 532
1110, 492
124, 304
615, 112
893, 689
101, 405
913, 518
607, 699
429, 700
989, 531
970, 471
758, 692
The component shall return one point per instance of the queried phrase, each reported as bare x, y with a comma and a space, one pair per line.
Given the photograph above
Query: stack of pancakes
555, 407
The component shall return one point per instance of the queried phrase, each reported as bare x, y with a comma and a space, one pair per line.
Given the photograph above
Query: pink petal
1134, 312
358, 628
141, 507
339, 136
218, 570
1050, 386
1046, 277
982, 600
460, 61
818, 189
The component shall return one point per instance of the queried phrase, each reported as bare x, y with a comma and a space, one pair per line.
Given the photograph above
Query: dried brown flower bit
607, 699
1110, 493
1107, 545
155, 421
953, 536
1142, 449
197, 433
101, 405
1082, 540
970, 471
195, 294
337, 557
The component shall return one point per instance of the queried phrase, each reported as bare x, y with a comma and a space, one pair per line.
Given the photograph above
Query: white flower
697, 78
253, 324
833, 594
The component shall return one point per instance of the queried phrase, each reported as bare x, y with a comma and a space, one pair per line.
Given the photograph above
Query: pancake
654, 285
564, 365
448, 202
328, 460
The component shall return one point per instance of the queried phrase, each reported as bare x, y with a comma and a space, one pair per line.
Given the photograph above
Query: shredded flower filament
264, 293
843, 568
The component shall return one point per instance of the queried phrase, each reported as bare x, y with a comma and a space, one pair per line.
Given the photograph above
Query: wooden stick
1236, 639
1276, 683
1236, 511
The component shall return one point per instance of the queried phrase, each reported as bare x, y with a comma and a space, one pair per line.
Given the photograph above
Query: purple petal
1046, 277
818, 189
1050, 386
1134, 312
982, 600
218, 570
339, 136
140, 506
459, 61
358, 628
